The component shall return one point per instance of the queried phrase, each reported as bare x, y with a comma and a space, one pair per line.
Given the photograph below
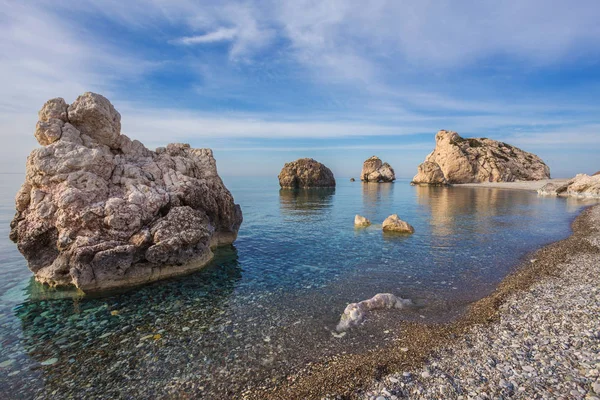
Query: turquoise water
269, 304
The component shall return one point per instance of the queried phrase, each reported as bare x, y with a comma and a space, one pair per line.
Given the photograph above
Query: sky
266, 82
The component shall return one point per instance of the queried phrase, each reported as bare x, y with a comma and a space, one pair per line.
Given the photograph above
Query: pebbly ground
544, 345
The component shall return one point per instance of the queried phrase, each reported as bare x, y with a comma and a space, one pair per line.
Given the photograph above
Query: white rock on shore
582, 185
355, 313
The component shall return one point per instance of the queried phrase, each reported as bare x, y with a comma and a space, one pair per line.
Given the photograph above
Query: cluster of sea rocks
307, 173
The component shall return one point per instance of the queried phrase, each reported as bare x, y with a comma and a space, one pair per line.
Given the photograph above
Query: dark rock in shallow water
98, 210
305, 173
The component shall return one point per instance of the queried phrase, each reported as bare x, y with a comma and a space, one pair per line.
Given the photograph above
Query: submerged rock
355, 313
98, 210
305, 173
394, 224
478, 160
374, 170
582, 185
361, 222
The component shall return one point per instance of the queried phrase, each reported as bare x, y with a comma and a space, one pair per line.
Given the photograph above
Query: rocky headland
582, 185
375, 170
98, 210
459, 160
305, 173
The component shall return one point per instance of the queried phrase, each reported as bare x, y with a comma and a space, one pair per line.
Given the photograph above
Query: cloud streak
220, 35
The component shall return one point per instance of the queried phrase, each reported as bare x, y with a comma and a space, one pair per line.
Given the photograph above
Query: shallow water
269, 304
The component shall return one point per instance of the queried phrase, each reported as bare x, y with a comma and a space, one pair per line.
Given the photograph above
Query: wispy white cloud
220, 35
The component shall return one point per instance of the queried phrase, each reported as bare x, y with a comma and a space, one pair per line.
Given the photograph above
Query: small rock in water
49, 361
6, 363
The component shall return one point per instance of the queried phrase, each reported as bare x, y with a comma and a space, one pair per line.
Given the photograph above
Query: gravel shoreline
523, 185
545, 345
536, 336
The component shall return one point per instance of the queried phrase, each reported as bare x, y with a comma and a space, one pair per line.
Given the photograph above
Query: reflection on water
267, 306
377, 194
305, 202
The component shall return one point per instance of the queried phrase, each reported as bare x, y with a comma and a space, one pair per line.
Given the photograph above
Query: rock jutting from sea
582, 185
305, 173
98, 210
374, 170
459, 160
394, 224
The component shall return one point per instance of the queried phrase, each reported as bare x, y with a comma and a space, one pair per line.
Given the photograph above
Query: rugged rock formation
582, 185
361, 222
305, 173
98, 210
374, 170
429, 173
479, 160
395, 224
355, 313
597, 173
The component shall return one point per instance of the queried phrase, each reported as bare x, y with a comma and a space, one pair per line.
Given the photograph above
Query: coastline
522, 185
382, 372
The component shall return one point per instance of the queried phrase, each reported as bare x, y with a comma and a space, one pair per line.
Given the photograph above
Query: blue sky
267, 82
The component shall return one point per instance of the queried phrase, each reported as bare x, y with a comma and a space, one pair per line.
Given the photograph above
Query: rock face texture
478, 160
374, 170
429, 173
582, 185
305, 173
361, 222
394, 224
355, 313
98, 210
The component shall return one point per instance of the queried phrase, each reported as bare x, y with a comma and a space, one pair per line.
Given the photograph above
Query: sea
268, 305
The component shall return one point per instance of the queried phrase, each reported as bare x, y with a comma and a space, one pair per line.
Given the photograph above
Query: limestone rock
429, 173
479, 160
98, 210
355, 313
305, 173
361, 222
394, 224
374, 170
582, 185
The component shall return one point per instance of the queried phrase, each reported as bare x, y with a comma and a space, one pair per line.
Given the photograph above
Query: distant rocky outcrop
361, 222
352, 179
355, 313
394, 224
98, 210
374, 170
582, 185
597, 173
478, 160
305, 173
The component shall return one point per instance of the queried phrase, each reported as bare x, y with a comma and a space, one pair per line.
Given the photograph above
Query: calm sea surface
270, 303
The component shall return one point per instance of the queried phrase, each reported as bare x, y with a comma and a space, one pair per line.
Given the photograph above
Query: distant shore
530, 337
523, 185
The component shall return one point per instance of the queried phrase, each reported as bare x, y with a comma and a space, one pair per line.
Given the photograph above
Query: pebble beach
543, 344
